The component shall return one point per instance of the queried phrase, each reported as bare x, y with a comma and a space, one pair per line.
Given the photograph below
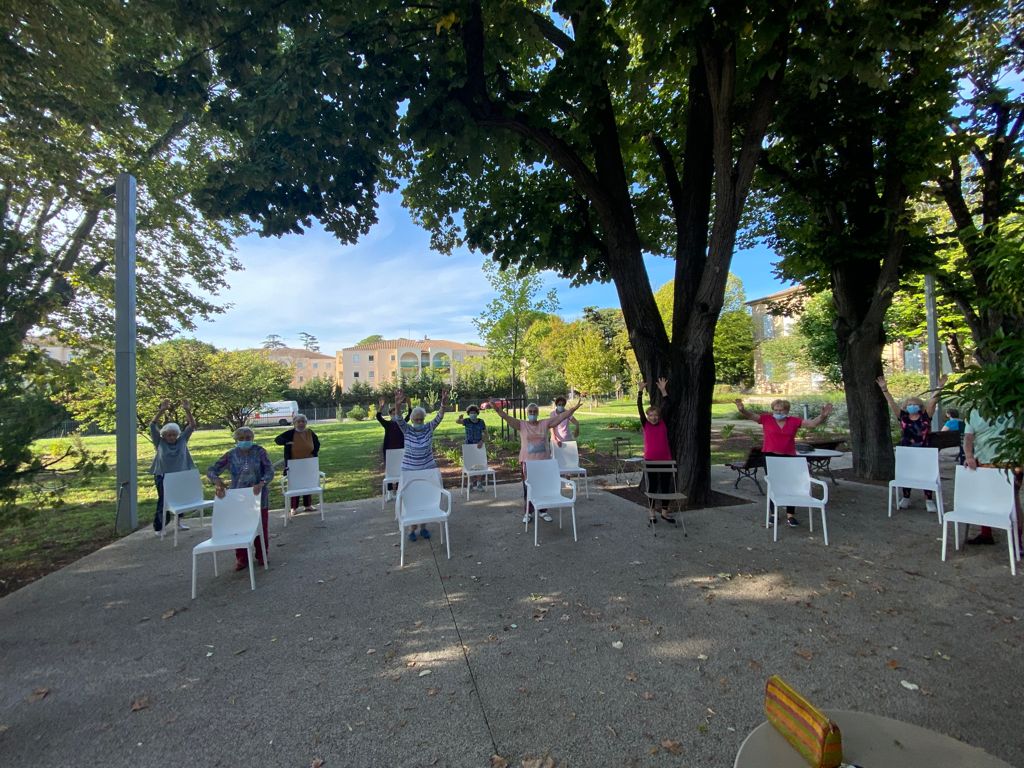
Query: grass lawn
350, 454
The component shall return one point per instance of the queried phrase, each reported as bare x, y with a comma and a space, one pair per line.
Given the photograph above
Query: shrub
357, 413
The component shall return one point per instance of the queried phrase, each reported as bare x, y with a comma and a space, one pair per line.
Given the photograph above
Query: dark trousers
659, 482
307, 501
240, 554
158, 517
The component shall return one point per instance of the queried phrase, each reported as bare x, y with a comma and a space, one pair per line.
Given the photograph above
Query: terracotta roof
783, 294
293, 352
419, 343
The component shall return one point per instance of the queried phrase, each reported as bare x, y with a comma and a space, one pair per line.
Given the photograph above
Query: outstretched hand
880, 381
738, 402
826, 409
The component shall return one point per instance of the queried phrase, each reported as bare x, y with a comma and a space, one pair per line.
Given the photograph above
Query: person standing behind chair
533, 441
955, 424
419, 444
656, 446
981, 438
172, 455
299, 442
394, 438
915, 420
249, 467
476, 434
566, 430
780, 430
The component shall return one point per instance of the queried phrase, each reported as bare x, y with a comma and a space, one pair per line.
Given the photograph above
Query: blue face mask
780, 416
559, 408
244, 444
531, 417
913, 409
473, 417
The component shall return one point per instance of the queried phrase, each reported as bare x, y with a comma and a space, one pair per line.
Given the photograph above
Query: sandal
667, 519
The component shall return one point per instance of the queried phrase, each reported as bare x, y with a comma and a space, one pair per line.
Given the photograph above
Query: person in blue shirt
955, 424
476, 434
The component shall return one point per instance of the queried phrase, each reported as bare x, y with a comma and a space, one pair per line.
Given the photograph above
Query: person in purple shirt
249, 467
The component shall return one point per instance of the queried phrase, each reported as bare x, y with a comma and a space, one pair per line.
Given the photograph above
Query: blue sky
390, 283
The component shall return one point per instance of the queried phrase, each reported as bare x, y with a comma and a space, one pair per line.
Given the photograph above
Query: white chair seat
183, 493
421, 500
983, 496
392, 473
789, 484
236, 524
544, 490
568, 457
917, 468
304, 478
474, 464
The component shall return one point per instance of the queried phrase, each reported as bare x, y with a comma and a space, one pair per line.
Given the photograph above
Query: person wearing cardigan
299, 442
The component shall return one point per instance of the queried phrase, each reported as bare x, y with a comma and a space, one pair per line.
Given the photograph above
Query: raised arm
512, 421
396, 417
558, 418
190, 420
933, 403
888, 396
154, 429
820, 418
744, 412
380, 407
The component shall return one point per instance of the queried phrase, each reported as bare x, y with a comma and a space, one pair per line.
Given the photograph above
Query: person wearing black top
299, 443
393, 437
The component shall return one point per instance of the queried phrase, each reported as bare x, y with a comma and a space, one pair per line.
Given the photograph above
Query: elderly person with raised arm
915, 420
567, 429
249, 467
533, 441
300, 442
172, 455
780, 430
419, 444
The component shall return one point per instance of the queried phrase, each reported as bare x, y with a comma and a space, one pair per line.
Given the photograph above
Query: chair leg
939, 507
889, 500
252, 571
263, 550
401, 546
174, 522
321, 506
1013, 551
775, 533
945, 530
214, 556
573, 509
193, 575
956, 537
447, 540
824, 525
810, 520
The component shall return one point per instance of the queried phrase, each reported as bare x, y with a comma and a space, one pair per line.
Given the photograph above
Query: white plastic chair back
473, 458
238, 512
568, 455
916, 464
183, 488
408, 475
303, 473
419, 494
983, 490
543, 477
393, 462
788, 474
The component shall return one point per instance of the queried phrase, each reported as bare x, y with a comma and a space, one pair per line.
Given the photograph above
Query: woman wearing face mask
569, 429
172, 455
656, 446
419, 444
476, 434
915, 420
533, 442
299, 442
780, 434
249, 467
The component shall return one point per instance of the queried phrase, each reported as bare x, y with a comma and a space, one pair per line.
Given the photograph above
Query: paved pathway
340, 656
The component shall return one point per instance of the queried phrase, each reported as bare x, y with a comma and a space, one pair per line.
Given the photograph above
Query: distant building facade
304, 365
896, 356
391, 359
51, 348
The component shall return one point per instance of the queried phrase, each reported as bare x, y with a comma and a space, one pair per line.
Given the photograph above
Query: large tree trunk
692, 385
870, 436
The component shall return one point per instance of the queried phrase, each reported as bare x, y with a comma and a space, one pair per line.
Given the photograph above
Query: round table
820, 460
870, 741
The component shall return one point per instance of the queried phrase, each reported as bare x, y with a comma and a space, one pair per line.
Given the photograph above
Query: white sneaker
904, 503
182, 526
526, 518
930, 506
545, 517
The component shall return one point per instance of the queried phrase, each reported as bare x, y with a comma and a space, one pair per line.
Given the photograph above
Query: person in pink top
533, 440
780, 434
656, 445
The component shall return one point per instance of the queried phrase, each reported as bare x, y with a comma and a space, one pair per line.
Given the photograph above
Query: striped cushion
805, 727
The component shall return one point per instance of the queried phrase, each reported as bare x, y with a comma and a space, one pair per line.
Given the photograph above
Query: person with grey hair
299, 442
249, 467
419, 443
533, 443
172, 455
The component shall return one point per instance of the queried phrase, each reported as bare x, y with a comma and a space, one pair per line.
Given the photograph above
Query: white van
281, 413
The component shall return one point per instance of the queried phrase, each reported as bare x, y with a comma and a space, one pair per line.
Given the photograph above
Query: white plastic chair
304, 478
568, 457
671, 469
392, 472
421, 500
917, 468
183, 492
789, 485
235, 524
474, 464
983, 496
544, 490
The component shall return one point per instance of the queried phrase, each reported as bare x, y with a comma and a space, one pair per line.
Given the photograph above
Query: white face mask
559, 408
531, 417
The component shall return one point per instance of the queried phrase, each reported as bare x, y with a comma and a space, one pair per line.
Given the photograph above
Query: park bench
748, 468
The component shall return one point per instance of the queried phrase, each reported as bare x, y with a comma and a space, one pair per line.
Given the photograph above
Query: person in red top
656, 445
780, 434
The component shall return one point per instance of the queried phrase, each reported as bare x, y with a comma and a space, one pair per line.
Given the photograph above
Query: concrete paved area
341, 657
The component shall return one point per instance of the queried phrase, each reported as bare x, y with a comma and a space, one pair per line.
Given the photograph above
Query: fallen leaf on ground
317, 763
39, 694
140, 703
702, 657
539, 762
632, 676
671, 745
497, 761
617, 645
910, 686
892, 664
370, 651
172, 612
803, 653
647, 696
425, 672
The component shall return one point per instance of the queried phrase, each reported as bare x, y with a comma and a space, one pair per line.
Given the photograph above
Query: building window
355, 374
316, 365
355, 357
301, 379
769, 371
769, 327
299, 364
392, 358
370, 375
370, 358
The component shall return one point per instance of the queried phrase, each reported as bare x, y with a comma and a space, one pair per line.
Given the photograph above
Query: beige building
390, 359
896, 356
51, 348
305, 365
